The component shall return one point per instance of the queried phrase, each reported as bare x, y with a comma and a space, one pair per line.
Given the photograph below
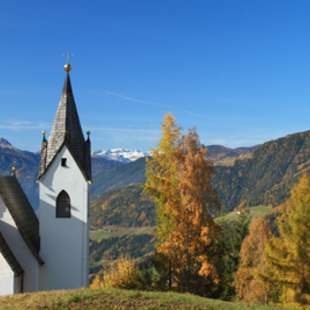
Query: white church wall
64, 241
7, 281
18, 246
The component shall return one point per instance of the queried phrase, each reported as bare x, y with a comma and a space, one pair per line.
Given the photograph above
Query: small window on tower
64, 162
63, 205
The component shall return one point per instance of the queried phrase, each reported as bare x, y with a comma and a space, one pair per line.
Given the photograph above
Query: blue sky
237, 70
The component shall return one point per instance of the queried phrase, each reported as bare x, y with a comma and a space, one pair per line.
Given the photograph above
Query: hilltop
118, 299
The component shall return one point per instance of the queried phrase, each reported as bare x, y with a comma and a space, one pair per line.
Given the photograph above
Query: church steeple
64, 181
66, 130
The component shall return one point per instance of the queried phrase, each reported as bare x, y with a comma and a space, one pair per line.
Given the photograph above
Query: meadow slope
118, 299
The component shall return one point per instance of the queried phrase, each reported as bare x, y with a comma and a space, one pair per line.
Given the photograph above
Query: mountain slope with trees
261, 176
267, 177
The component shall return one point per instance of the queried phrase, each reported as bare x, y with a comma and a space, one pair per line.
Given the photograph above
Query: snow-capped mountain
120, 155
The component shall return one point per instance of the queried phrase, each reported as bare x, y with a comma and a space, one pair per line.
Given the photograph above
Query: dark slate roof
23, 214
67, 131
9, 257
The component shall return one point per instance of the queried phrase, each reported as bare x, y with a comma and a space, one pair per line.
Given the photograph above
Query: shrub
122, 274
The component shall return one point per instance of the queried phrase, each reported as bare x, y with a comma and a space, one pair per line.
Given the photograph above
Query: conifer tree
233, 232
288, 254
161, 176
162, 187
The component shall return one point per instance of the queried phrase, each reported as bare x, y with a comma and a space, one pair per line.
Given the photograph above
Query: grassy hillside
118, 299
113, 242
252, 213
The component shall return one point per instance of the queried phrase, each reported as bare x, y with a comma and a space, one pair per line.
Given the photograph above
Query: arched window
63, 205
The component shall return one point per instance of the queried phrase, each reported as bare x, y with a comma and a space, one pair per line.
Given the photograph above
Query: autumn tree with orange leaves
249, 286
179, 182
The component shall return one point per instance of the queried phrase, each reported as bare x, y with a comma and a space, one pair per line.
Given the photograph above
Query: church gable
63, 165
64, 175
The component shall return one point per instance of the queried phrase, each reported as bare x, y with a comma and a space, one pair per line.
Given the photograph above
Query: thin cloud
154, 104
137, 100
23, 125
126, 130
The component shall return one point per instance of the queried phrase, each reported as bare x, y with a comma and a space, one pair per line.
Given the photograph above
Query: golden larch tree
179, 182
161, 176
162, 187
288, 254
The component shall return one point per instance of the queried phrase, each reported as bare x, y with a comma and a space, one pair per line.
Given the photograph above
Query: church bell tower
64, 179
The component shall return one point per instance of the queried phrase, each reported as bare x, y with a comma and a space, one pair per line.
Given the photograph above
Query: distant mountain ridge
6, 144
26, 167
261, 174
215, 152
112, 169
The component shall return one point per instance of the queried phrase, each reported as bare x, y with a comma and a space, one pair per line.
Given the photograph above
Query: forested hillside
118, 177
259, 176
126, 207
267, 176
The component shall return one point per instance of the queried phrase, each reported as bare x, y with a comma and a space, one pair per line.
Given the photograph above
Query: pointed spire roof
66, 130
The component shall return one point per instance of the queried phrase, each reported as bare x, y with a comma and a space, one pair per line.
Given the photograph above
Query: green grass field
253, 212
118, 299
112, 231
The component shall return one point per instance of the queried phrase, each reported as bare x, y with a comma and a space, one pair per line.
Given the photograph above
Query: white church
48, 249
